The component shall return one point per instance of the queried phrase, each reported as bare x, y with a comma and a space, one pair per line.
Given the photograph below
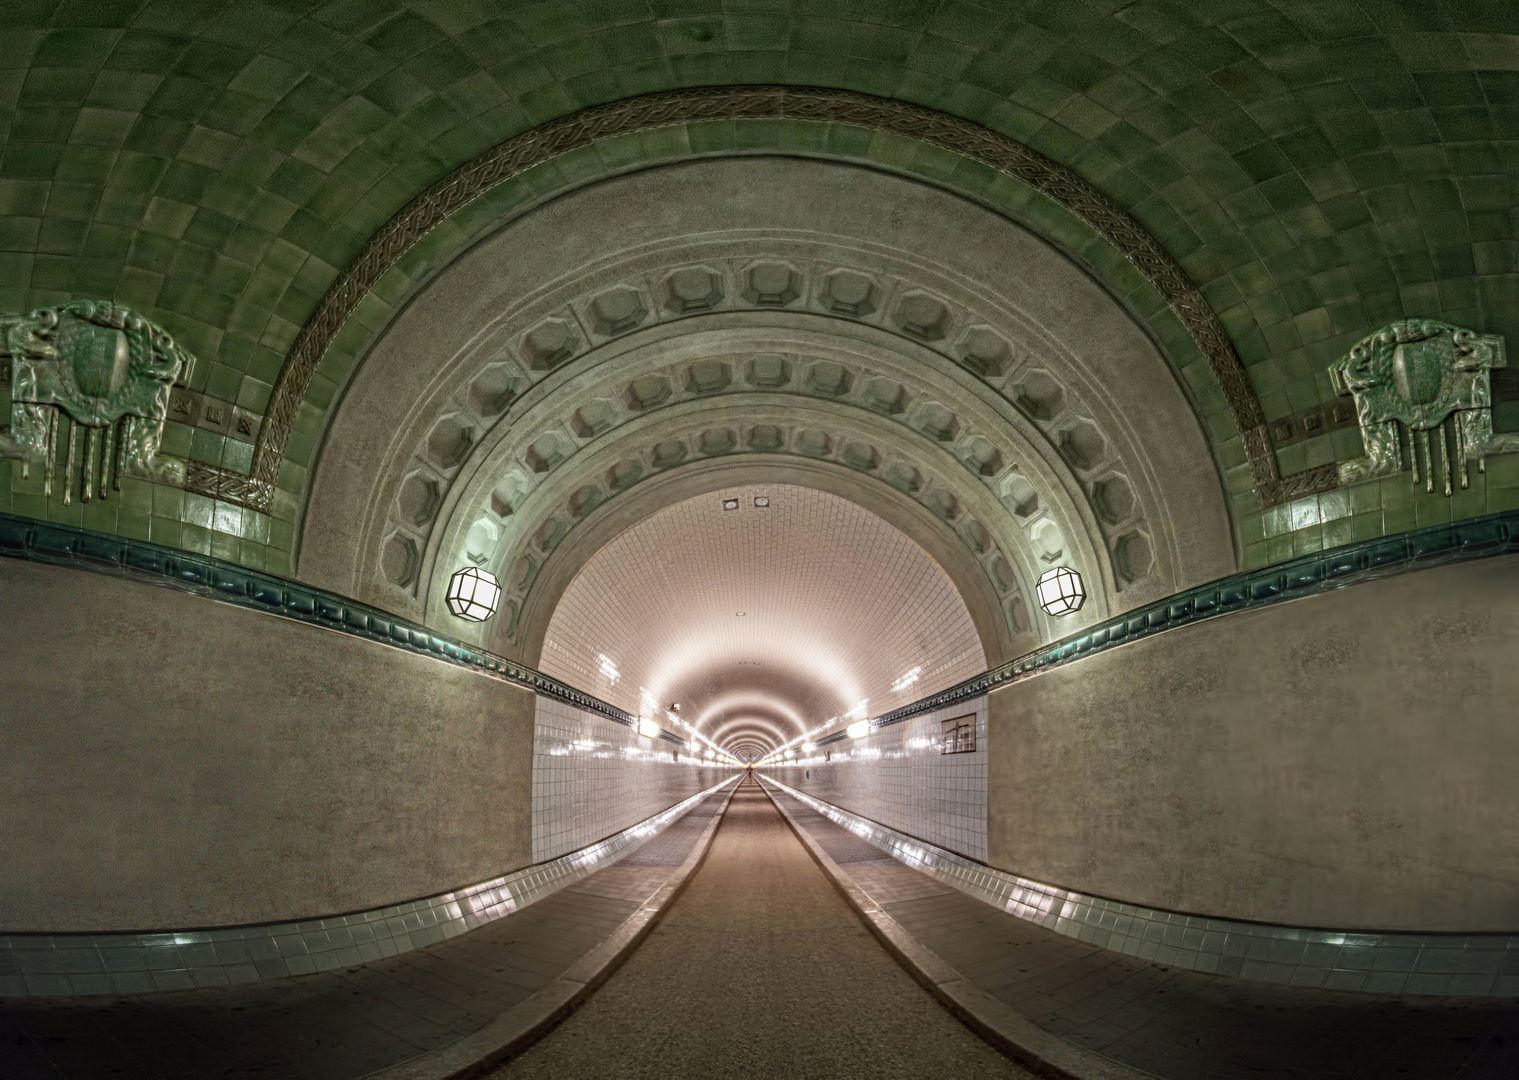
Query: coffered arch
573, 327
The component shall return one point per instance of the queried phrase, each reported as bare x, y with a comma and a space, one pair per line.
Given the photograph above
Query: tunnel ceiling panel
761, 622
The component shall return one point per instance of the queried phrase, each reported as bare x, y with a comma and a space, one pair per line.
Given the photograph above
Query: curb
999, 1024
521, 1026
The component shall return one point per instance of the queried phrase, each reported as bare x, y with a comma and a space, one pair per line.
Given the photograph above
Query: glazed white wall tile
593, 777
897, 776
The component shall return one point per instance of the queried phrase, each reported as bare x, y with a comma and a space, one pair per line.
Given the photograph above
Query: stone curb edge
999, 1024
524, 1024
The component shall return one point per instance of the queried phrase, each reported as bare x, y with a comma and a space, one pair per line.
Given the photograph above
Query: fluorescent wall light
858, 730
648, 728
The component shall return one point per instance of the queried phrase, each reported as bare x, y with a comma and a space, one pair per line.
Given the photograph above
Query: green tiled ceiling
1319, 168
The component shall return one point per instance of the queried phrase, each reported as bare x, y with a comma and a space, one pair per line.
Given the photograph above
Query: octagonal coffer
772, 284
418, 499
846, 292
985, 352
903, 477
860, 455
708, 377
716, 441
769, 371
1082, 445
617, 311
766, 438
495, 388
1133, 556
646, 392
399, 559
1113, 498
624, 475
1039, 394
593, 418
693, 289
922, 316
450, 441
1020, 496
550, 344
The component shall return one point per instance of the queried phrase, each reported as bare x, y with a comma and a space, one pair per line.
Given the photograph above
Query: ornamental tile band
1454, 965
648, 112
54, 965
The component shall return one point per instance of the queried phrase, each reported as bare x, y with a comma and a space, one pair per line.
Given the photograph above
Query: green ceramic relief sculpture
1432, 379
94, 366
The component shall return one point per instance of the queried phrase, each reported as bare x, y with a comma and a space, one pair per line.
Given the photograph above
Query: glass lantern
473, 594
1061, 591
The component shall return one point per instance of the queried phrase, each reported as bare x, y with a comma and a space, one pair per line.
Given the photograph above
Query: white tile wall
897, 776
593, 777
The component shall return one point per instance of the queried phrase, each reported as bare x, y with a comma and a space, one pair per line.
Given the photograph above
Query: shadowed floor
760, 970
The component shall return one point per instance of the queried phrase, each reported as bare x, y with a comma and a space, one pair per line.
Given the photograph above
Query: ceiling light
730, 504
473, 594
762, 500
858, 730
1060, 591
740, 614
648, 728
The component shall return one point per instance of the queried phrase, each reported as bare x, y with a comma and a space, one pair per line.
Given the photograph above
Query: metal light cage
473, 594
1060, 591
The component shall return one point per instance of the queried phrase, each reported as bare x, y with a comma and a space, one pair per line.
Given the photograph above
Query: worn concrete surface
167, 762
1346, 760
760, 970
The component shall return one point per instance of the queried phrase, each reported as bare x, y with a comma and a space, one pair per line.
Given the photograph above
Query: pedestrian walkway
1179, 1025
760, 970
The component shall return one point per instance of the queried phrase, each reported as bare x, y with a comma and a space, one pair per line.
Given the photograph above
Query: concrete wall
1347, 760
170, 762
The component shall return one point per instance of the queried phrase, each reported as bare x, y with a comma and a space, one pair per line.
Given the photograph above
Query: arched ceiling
761, 622
953, 372
1317, 169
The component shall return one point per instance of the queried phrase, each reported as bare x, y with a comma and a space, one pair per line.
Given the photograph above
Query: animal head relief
96, 367
1430, 378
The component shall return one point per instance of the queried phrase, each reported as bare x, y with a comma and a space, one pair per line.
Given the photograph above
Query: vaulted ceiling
1316, 169
761, 622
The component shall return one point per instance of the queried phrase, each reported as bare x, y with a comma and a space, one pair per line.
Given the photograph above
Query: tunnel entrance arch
763, 609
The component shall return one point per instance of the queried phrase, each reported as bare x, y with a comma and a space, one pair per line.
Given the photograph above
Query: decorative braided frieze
531, 148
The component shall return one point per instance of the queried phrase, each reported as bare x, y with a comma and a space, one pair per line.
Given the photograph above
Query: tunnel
706, 539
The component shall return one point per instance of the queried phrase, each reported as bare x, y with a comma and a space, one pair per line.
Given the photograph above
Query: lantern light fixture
1061, 591
473, 594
